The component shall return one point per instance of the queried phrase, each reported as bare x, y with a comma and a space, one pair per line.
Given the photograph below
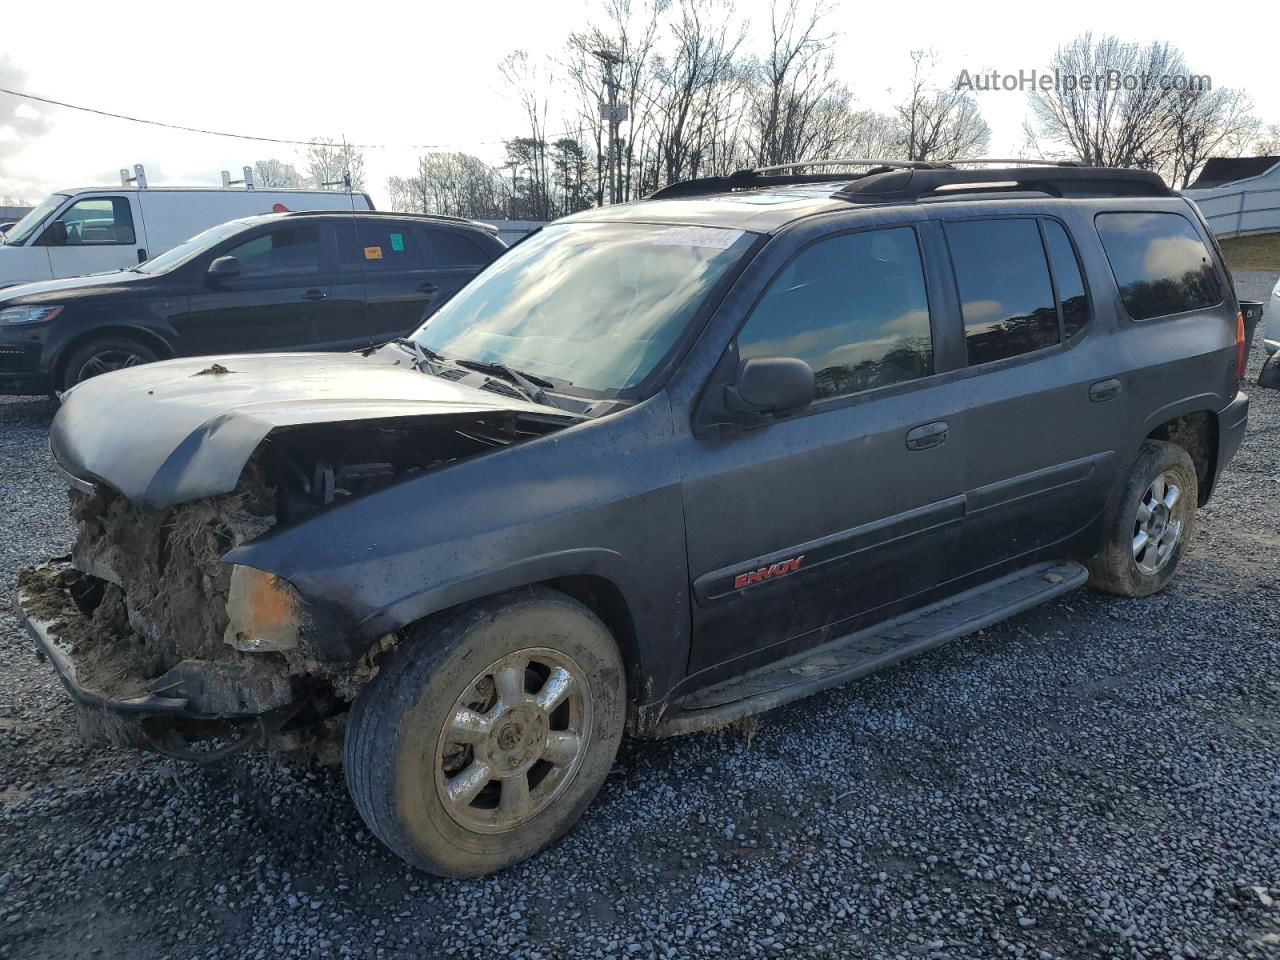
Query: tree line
707, 96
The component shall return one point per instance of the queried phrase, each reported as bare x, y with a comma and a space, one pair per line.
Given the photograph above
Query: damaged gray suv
659, 467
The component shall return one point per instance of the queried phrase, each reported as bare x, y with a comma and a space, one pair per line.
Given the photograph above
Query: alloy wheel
513, 740
1157, 528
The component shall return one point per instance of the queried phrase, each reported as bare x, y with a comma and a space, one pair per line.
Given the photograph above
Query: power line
246, 136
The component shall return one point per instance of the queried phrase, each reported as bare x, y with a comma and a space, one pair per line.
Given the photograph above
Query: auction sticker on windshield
698, 237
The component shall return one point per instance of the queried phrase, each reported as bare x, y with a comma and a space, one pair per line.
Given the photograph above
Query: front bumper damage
235, 702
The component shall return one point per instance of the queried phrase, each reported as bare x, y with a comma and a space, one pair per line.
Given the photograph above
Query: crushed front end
163, 644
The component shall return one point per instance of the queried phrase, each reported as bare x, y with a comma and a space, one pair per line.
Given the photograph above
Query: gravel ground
1097, 777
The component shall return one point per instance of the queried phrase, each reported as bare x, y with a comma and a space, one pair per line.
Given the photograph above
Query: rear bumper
1232, 421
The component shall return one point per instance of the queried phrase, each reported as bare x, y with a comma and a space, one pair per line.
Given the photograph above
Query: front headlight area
264, 612
30, 313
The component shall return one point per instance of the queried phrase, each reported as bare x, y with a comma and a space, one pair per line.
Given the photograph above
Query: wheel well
153, 341
1197, 433
605, 600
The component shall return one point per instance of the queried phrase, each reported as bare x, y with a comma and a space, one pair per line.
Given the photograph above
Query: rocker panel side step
866, 651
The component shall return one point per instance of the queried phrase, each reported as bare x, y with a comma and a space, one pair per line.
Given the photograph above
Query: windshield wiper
424, 357
530, 386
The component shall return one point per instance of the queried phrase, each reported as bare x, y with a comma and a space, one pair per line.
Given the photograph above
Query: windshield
28, 225
595, 306
189, 249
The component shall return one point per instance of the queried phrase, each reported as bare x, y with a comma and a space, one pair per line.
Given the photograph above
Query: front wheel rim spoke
464, 788
509, 680
1171, 496
562, 747
513, 803
1139, 544
554, 691
468, 726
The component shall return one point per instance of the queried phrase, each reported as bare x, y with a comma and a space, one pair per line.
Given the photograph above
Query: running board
872, 649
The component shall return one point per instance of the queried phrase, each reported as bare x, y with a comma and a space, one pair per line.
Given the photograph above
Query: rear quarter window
452, 249
1161, 265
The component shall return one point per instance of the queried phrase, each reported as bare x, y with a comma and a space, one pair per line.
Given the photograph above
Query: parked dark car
660, 467
289, 281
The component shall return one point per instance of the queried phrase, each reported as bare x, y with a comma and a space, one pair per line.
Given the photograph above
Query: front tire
482, 739
1153, 522
103, 355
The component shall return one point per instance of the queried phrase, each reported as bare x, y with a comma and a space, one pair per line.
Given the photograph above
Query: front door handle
428, 287
314, 295
927, 435
142, 254
1104, 390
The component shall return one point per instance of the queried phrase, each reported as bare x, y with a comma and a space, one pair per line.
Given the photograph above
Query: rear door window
853, 307
384, 247
1066, 275
1160, 263
1006, 298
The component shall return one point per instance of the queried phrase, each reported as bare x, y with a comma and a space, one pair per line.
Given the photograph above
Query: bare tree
1205, 123
1109, 124
798, 108
276, 173
695, 94
455, 184
1267, 142
938, 123
529, 85
330, 162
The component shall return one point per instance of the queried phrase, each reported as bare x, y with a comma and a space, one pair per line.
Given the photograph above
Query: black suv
288, 281
659, 467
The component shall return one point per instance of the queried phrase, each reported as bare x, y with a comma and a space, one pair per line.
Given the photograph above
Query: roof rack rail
1019, 160
891, 164
765, 177
896, 186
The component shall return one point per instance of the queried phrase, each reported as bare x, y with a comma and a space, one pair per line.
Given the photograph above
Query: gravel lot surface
1098, 777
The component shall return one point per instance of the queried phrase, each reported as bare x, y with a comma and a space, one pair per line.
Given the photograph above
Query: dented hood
178, 430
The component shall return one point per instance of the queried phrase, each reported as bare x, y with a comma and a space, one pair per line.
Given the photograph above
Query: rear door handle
314, 295
1104, 390
927, 435
428, 287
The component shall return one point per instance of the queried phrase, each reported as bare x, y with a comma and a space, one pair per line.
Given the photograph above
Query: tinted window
1066, 274
98, 220
853, 307
1005, 295
1159, 262
282, 251
376, 246
454, 250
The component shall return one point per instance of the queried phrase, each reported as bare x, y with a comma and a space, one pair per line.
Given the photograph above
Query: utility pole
613, 113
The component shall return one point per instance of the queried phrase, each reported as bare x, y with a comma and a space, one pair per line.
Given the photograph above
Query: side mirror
55, 235
770, 386
223, 268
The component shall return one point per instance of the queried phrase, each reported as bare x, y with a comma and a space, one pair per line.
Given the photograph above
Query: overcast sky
426, 73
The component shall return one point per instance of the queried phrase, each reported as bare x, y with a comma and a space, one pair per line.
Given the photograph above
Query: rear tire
103, 355
1153, 522
451, 758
